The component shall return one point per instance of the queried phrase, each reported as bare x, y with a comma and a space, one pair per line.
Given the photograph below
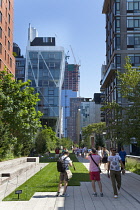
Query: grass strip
133, 165
46, 180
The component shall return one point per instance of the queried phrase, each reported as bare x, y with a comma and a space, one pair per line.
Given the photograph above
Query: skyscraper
6, 36
69, 90
45, 64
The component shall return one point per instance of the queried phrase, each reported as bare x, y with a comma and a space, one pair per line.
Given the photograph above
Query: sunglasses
114, 150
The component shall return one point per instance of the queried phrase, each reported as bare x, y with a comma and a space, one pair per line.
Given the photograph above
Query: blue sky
76, 23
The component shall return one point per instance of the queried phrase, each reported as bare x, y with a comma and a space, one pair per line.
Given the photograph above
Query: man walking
94, 171
63, 175
114, 162
122, 154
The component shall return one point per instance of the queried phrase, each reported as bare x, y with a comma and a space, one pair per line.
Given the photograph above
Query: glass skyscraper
45, 64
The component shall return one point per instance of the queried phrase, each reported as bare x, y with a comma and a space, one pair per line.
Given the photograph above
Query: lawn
133, 165
47, 179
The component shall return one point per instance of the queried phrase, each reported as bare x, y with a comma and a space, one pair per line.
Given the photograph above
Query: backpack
61, 165
105, 154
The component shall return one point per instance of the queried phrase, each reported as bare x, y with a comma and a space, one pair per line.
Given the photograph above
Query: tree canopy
19, 119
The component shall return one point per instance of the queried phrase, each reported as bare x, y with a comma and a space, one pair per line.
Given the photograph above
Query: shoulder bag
96, 164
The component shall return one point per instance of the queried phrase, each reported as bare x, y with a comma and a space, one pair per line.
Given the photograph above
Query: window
0, 48
135, 59
9, 18
0, 32
10, 62
8, 31
133, 23
5, 26
8, 45
133, 6
133, 41
51, 92
117, 24
5, 40
9, 5
0, 17
5, 54
51, 55
118, 60
117, 7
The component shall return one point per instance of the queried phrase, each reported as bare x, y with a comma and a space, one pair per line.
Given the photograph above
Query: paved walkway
81, 197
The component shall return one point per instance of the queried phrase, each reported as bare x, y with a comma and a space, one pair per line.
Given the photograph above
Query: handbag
96, 164
69, 174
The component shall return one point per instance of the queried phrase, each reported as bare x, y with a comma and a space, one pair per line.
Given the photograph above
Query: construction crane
75, 62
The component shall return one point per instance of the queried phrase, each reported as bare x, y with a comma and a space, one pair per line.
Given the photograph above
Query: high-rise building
90, 112
122, 40
6, 36
45, 65
69, 90
20, 63
73, 121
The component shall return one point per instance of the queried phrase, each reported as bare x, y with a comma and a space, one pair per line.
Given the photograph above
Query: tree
95, 128
19, 118
125, 123
45, 140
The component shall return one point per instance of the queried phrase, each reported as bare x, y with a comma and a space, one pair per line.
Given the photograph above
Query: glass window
136, 5
130, 24
130, 5
136, 23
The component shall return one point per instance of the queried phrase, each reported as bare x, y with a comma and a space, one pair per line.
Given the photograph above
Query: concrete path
81, 197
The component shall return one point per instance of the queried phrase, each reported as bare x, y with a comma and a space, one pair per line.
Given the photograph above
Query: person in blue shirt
122, 154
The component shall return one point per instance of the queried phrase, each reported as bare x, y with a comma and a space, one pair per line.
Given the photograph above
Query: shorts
63, 177
95, 175
104, 160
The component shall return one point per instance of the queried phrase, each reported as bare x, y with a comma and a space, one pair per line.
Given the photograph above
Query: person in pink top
94, 171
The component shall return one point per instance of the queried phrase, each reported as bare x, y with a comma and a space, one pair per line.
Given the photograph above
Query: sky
79, 27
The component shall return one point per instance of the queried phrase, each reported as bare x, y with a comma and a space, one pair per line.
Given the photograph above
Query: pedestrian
114, 162
122, 154
63, 175
57, 151
94, 171
99, 152
105, 154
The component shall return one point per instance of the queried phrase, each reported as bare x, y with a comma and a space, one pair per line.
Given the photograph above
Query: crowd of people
114, 164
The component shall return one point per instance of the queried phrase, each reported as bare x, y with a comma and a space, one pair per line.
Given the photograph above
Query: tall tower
6, 36
69, 90
45, 64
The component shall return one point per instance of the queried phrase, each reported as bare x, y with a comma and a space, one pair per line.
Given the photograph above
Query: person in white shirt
114, 162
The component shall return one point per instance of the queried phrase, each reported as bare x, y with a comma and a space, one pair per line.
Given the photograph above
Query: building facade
74, 124
20, 63
69, 90
90, 112
45, 64
6, 36
122, 40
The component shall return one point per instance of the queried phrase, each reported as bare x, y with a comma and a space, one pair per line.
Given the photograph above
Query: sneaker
57, 194
101, 194
94, 194
115, 196
65, 195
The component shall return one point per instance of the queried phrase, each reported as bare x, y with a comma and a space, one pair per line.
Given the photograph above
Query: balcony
108, 74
